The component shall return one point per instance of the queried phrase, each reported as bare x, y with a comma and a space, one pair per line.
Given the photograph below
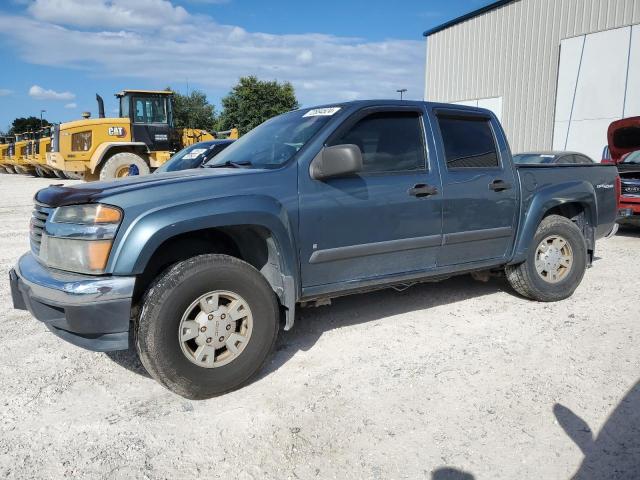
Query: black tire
59, 174
113, 166
529, 283
74, 175
156, 330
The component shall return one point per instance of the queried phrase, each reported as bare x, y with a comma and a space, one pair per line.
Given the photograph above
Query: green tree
193, 110
29, 124
253, 101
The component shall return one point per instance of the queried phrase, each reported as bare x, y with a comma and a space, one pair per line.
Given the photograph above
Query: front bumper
629, 211
56, 161
88, 311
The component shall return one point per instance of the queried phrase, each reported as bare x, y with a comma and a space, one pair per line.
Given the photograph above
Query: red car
624, 151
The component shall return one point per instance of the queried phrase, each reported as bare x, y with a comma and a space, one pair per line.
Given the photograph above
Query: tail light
618, 191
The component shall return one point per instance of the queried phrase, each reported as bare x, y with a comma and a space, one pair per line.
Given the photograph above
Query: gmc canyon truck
199, 268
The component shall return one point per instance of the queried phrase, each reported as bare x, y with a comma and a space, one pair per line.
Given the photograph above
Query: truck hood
60, 195
623, 137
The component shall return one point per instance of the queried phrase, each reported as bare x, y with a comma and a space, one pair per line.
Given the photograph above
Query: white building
556, 72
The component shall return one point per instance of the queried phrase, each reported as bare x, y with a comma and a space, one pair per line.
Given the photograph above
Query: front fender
140, 239
538, 203
102, 150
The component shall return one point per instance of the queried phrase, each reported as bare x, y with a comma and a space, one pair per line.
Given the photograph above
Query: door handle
499, 186
422, 190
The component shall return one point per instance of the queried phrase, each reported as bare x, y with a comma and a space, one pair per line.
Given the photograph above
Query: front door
480, 195
383, 221
151, 122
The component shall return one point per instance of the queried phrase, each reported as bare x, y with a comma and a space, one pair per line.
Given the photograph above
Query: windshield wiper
229, 163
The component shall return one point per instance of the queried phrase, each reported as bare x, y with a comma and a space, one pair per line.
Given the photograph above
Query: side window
124, 107
581, 159
468, 142
150, 110
139, 109
389, 141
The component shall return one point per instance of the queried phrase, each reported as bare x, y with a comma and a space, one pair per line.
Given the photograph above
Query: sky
57, 54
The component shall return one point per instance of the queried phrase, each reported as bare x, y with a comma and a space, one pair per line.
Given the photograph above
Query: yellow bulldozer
18, 154
37, 154
5, 143
140, 139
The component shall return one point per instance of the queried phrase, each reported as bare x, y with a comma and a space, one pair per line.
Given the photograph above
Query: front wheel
120, 165
207, 326
555, 263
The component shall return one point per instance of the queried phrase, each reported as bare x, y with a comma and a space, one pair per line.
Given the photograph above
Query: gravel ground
456, 380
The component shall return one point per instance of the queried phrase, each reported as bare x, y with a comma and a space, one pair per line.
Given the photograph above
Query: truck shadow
614, 453
448, 473
631, 232
311, 323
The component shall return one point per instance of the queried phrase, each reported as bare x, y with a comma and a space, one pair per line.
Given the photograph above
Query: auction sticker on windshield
321, 112
194, 153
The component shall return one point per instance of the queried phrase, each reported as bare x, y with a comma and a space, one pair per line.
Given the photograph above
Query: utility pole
401, 91
41, 112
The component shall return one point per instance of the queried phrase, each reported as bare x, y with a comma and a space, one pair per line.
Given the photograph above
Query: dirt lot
455, 380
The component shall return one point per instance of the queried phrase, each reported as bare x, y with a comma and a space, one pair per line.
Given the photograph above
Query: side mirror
336, 161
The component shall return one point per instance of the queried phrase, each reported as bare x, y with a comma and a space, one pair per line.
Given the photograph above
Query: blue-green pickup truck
200, 269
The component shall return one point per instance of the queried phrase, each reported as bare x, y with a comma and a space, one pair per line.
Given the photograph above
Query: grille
38, 220
631, 189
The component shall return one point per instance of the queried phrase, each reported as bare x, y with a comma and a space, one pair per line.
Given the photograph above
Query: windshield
189, 157
274, 142
528, 158
633, 157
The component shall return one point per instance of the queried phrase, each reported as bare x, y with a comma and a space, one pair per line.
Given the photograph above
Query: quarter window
389, 141
468, 142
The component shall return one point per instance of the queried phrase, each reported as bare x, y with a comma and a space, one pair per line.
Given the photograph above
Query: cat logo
117, 131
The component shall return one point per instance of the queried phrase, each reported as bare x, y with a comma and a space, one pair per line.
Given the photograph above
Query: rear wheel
9, 169
207, 326
59, 174
118, 166
555, 264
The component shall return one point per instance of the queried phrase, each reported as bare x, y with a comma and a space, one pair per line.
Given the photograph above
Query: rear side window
389, 141
581, 159
468, 143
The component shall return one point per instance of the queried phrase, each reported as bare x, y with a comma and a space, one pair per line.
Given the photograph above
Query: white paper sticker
196, 152
321, 112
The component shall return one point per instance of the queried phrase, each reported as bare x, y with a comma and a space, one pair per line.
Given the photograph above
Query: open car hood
623, 137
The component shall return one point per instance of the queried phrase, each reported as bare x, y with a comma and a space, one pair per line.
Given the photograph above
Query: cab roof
152, 92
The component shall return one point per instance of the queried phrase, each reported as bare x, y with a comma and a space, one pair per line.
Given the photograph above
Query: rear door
386, 220
480, 195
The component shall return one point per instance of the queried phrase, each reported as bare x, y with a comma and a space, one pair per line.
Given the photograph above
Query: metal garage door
598, 82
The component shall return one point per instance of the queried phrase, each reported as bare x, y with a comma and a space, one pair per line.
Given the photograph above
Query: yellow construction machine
40, 146
5, 142
139, 140
18, 154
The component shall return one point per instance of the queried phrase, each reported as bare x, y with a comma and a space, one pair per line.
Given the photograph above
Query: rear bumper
87, 311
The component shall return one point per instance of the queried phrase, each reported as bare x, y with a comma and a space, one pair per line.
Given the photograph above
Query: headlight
89, 214
78, 238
